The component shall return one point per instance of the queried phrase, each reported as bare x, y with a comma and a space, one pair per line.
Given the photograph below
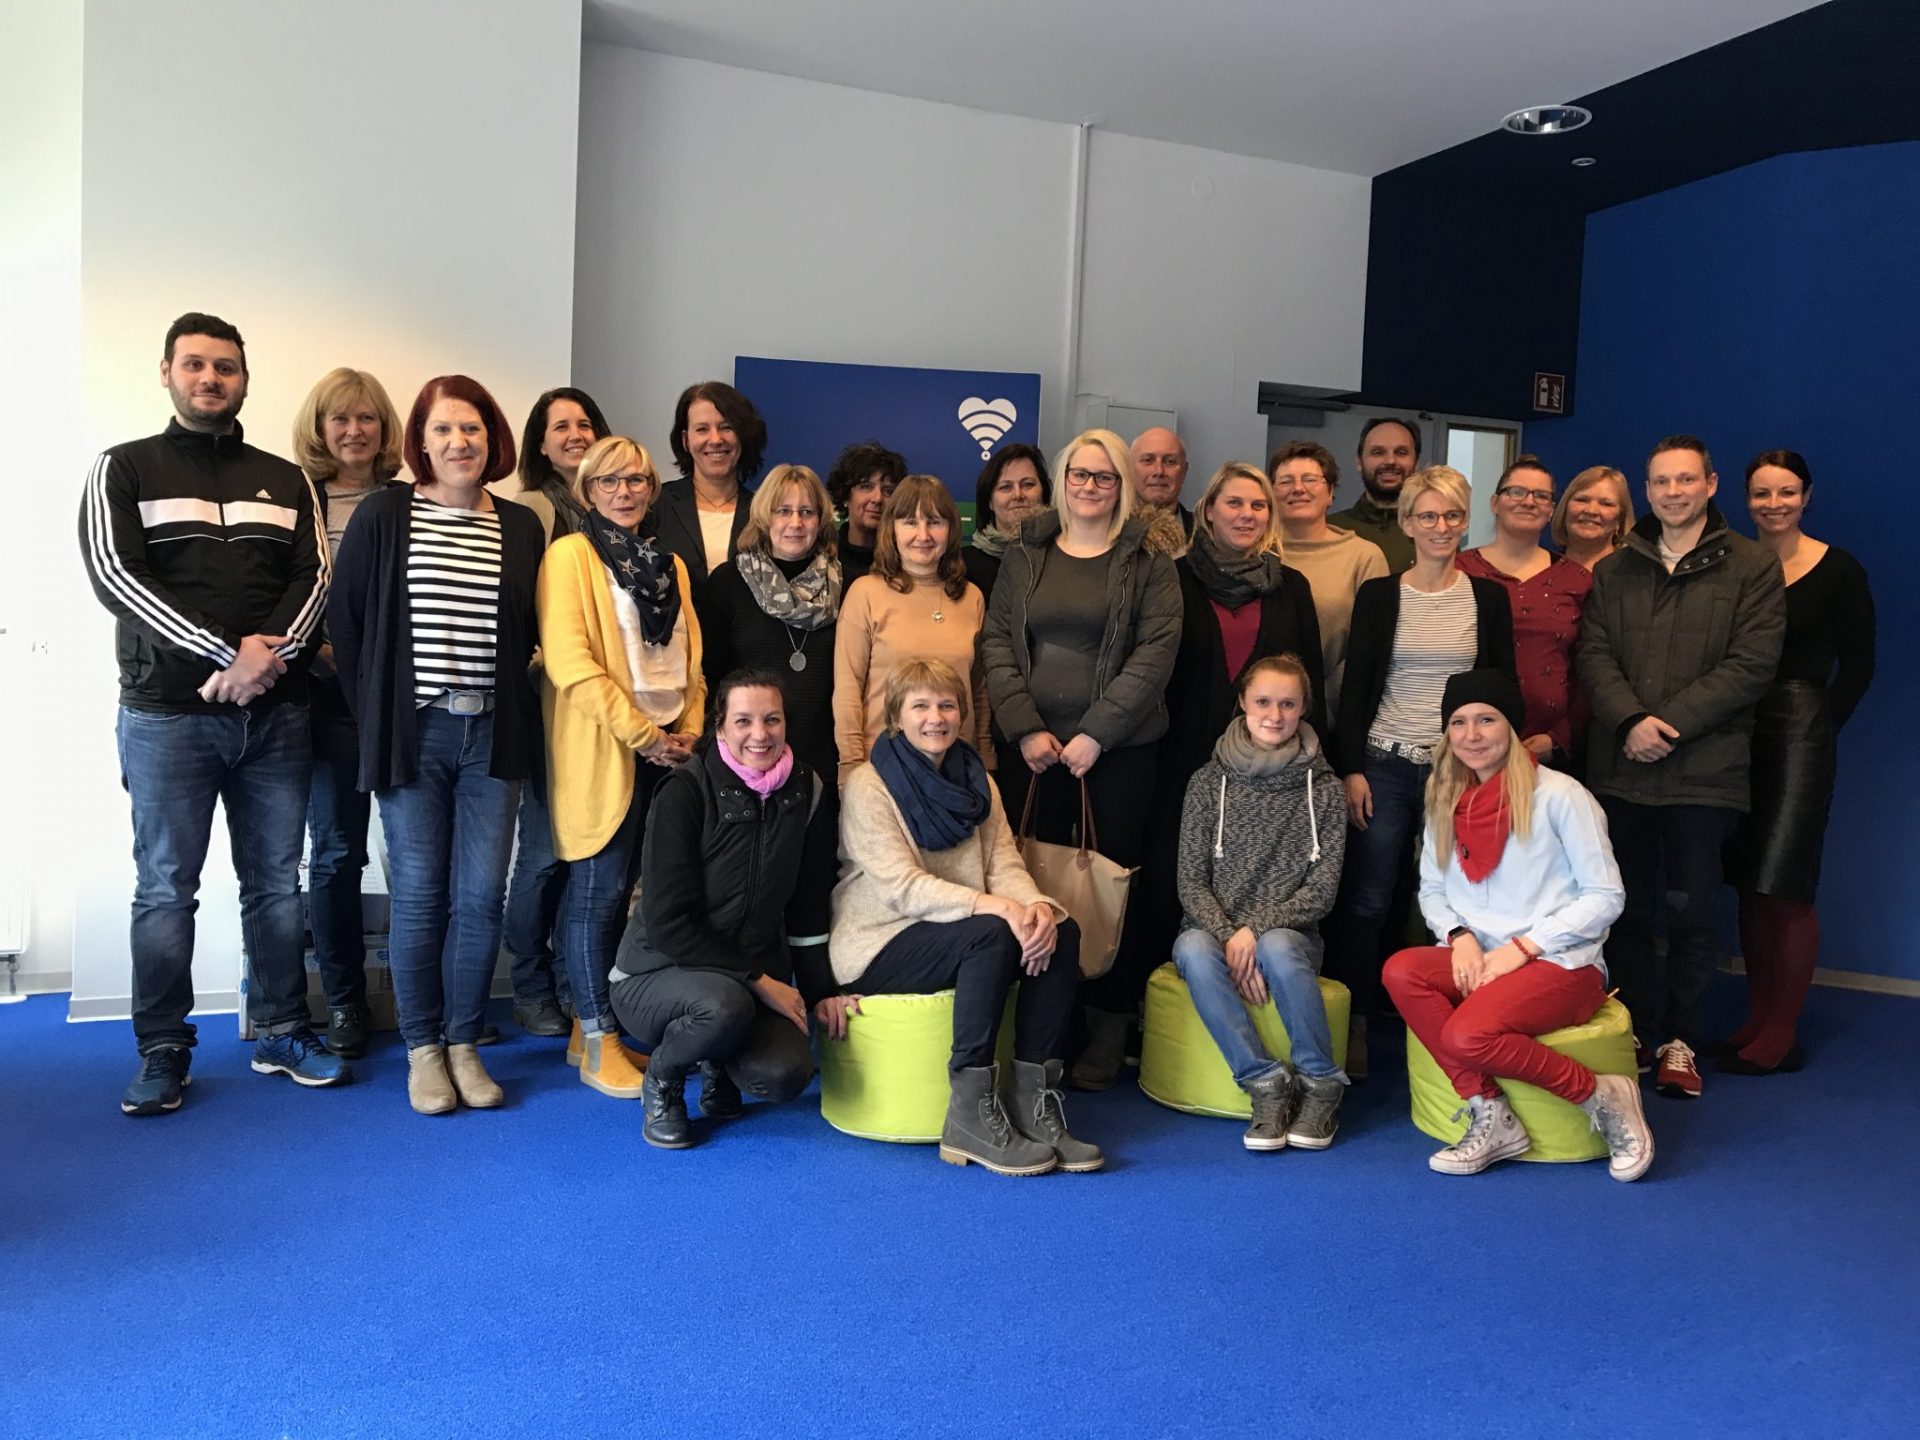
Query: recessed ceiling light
1584, 160
1546, 119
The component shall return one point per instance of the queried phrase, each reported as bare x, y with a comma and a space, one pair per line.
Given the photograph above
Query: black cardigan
736, 632
372, 638
1200, 696
675, 519
1376, 615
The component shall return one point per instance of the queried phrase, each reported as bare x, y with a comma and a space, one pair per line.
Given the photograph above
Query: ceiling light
1546, 119
1584, 160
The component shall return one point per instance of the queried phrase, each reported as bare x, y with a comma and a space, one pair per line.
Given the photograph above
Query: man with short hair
1389, 453
1680, 639
1160, 472
212, 557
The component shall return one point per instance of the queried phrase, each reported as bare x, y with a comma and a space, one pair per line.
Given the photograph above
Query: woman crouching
1517, 874
1261, 838
932, 896
703, 975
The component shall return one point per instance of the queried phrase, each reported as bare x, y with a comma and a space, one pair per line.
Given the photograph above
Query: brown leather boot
470, 1079
611, 1068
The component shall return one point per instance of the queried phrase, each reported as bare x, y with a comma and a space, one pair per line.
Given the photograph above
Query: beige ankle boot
470, 1078
429, 1087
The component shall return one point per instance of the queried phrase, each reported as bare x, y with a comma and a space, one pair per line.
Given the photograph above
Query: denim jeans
598, 890
536, 899
1669, 859
174, 766
1289, 961
1375, 859
449, 835
338, 812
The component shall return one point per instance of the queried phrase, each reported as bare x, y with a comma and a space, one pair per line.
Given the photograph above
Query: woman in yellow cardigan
623, 697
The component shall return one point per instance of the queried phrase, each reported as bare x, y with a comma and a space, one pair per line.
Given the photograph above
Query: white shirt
716, 532
659, 671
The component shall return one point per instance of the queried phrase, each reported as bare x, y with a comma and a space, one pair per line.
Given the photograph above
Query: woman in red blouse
1548, 593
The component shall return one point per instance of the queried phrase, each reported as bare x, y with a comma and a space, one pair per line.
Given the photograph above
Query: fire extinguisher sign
1549, 393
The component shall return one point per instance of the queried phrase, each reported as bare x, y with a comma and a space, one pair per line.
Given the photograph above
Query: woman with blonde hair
1593, 517
916, 603
1410, 632
622, 697
1517, 875
346, 436
933, 897
1081, 639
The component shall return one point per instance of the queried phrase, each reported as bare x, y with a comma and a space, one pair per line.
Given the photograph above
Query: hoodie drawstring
1313, 824
1220, 825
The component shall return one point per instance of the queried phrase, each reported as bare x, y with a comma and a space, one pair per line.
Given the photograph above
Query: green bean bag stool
1560, 1131
1183, 1069
888, 1079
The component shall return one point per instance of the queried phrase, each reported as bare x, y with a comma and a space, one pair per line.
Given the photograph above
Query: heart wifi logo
986, 421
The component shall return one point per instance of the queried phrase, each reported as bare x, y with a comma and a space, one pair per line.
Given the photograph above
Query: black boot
1104, 1053
347, 1030
665, 1099
719, 1096
977, 1128
1038, 1112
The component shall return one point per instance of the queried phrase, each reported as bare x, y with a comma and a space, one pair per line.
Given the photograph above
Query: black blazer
1376, 614
373, 639
674, 520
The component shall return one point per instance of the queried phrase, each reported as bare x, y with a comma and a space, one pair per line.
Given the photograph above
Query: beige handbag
1092, 888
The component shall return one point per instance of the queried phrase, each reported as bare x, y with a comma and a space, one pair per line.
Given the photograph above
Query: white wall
727, 212
387, 184
1209, 273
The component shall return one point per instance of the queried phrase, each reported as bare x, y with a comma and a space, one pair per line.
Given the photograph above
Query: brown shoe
611, 1068
429, 1087
470, 1079
1104, 1053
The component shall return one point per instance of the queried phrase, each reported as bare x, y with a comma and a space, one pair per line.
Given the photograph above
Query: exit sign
1549, 393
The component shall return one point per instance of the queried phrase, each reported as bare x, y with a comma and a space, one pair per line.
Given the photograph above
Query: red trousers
1489, 1034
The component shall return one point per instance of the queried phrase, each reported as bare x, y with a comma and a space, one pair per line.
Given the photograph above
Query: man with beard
1160, 473
212, 556
1389, 453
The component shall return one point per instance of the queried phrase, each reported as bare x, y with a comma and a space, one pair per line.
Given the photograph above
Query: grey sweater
1248, 846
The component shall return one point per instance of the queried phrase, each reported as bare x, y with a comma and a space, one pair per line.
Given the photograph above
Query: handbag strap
1089, 837
1025, 832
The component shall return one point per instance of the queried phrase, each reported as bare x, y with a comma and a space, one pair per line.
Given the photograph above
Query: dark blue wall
1779, 305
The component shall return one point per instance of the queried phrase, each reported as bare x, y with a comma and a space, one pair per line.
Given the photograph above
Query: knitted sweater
1335, 568
1264, 853
888, 883
880, 628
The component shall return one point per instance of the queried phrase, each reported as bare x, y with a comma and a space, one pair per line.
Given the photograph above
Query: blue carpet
272, 1262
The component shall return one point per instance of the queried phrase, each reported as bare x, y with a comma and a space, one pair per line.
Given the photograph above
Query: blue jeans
338, 812
1289, 961
1375, 860
449, 835
598, 891
536, 900
174, 766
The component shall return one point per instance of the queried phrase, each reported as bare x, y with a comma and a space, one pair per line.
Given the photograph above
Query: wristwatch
1457, 931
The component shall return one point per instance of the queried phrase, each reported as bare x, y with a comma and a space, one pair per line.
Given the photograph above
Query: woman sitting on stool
932, 896
703, 976
1517, 873
1260, 848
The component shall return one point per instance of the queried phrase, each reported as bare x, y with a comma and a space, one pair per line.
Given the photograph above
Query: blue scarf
942, 804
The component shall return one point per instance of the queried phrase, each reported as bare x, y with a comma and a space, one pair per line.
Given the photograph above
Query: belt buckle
466, 702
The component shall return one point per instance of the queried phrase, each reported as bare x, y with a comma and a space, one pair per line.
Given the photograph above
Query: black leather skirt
1776, 849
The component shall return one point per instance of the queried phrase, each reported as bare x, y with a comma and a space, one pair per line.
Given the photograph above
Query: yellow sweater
586, 697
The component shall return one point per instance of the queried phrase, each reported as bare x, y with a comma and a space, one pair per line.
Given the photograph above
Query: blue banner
946, 422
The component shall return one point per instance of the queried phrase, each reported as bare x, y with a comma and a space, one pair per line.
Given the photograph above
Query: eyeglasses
607, 484
1298, 482
1520, 492
1099, 479
1432, 519
796, 512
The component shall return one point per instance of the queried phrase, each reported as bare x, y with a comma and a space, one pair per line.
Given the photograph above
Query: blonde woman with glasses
623, 696
1410, 632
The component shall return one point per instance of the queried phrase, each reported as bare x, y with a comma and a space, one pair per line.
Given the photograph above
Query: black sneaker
157, 1088
347, 1030
719, 1096
541, 1017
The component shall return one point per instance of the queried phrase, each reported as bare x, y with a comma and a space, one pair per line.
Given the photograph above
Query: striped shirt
453, 597
1435, 638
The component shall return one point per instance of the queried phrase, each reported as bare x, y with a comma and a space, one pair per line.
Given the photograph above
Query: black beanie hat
1484, 687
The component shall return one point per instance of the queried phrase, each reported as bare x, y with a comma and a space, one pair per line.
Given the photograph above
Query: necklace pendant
796, 662
938, 617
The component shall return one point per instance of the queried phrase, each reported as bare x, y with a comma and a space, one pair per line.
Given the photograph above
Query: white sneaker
1616, 1113
1494, 1133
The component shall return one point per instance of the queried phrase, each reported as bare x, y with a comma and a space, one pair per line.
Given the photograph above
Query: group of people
797, 715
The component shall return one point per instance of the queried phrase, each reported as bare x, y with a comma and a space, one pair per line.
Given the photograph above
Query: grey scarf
992, 540
1236, 751
1232, 580
808, 601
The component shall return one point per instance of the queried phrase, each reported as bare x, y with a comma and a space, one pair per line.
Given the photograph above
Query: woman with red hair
432, 618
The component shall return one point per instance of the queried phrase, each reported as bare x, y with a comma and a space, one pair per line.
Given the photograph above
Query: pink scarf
762, 783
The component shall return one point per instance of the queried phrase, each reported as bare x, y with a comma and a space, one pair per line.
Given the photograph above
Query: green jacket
1380, 524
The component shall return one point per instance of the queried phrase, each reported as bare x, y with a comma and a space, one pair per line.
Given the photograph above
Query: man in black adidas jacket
212, 556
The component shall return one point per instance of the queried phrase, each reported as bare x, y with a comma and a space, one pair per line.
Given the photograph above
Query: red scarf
1480, 828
